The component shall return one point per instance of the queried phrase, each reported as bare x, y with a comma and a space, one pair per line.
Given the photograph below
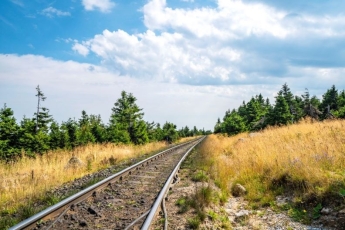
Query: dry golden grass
29, 178
304, 159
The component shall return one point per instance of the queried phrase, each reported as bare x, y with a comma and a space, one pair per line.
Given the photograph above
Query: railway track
129, 199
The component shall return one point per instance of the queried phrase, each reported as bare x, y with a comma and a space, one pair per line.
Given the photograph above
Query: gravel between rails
120, 203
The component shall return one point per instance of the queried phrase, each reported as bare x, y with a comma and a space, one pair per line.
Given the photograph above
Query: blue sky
186, 61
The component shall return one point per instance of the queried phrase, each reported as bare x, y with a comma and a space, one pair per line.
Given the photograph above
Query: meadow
304, 161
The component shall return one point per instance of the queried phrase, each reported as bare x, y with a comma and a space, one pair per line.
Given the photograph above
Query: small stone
93, 211
238, 190
242, 213
325, 211
253, 134
82, 223
281, 201
341, 212
239, 216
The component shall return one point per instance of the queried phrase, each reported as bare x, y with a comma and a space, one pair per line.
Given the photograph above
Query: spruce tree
169, 132
233, 124
8, 135
98, 129
280, 114
126, 121
329, 102
84, 134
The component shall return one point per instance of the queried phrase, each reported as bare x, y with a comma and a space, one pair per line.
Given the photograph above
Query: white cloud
233, 43
81, 49
51, 12
168, 57
102, 5
231, 19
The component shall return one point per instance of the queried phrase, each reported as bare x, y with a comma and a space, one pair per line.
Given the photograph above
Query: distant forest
258, 113
42, 133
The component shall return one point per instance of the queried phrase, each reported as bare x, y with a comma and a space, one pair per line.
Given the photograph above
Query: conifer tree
218, 126
233, 124
126, 121
71, 128
98, 129
8, 135
84, 134
329, 102
341, 105
58, 136
169, 132
280, 114
158, 133
42, 116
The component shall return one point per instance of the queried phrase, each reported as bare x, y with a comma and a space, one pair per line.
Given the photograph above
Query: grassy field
28, 180
305, 161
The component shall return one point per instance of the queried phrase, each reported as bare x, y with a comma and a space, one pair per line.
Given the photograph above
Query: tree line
258, 113
42, 133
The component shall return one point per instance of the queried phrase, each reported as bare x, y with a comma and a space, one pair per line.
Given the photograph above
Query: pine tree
169, 132
186, 131
54, 135
98, 129
293, 103
280, 114
150, 129
30, 141
84, 134
71, 128
341, 105
256, 110
8, 135
42, 116
329, 102
139, 133
125, 120
233, 124
158, 133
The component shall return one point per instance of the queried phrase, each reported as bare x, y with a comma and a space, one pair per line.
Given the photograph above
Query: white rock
325, 211
242, 213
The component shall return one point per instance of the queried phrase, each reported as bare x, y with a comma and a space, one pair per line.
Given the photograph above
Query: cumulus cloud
167, 56
235, 42
81, 49
101, 5
52, 12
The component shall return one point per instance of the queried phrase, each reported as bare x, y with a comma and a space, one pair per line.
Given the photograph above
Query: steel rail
149, 219
55, 210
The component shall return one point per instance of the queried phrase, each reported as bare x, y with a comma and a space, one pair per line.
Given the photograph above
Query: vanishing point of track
129, 199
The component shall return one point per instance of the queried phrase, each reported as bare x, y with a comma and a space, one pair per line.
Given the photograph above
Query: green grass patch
194, 222
200, 176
